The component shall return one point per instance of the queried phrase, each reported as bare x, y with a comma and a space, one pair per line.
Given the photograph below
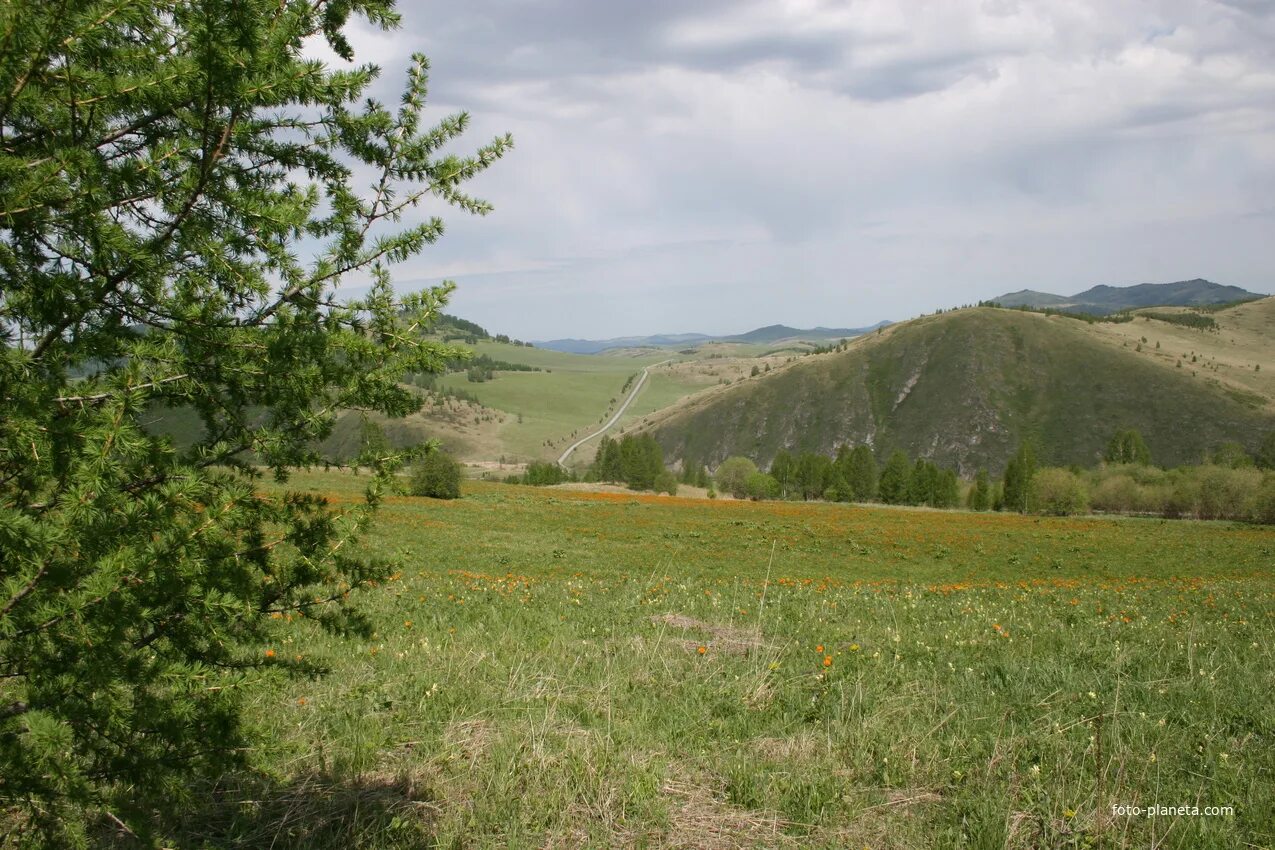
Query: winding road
623, 407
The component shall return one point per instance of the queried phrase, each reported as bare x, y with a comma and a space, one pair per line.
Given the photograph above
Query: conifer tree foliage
895, 479
180, 193
861, 474
1018, 479
980, 496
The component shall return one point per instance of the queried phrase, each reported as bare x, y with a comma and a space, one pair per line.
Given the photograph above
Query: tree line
1228, 484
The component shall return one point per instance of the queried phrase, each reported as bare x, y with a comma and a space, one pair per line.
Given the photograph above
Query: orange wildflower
819, 648
702, 650
827, 661
269, 653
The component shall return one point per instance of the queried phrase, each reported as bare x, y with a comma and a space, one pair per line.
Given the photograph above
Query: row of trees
1229, 484
852, 476
1208, 491
637, 461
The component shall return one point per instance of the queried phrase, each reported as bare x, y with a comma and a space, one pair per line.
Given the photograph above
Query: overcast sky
716, 166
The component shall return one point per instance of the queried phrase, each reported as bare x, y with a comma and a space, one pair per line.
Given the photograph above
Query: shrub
1117, 494
1181, 495
666, 482
1059, 492
1263, 507
1226, 493
436, 476
759, 485
732, 476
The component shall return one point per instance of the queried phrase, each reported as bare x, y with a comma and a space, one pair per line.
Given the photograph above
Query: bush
1263, 508
1181, 495
436, 476
666, 482
1117, 494
732, 476
1058, 492
760, 485
1226, 493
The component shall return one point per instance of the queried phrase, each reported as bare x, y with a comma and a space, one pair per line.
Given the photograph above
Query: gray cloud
720, 165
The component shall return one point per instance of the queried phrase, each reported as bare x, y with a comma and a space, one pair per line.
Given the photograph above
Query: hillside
1102, 299
963, 388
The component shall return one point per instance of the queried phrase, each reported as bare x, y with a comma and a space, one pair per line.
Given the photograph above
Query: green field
570, 396
556, 669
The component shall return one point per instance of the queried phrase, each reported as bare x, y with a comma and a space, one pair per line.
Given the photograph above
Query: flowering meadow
566, 669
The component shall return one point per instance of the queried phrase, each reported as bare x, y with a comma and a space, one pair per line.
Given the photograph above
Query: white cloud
836, 163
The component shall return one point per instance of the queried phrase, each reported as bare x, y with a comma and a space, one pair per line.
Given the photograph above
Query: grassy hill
962, 388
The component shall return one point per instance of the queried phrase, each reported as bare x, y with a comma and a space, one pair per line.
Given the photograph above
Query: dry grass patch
469, 738
730, 639
700, 818
804, 746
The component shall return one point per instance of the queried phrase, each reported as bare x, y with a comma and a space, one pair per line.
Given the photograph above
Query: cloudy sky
715, 166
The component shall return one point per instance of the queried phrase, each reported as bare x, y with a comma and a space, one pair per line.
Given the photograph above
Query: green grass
537, 680
571, 397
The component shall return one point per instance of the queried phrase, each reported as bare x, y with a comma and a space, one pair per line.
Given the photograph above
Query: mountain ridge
769, 333
1104, 299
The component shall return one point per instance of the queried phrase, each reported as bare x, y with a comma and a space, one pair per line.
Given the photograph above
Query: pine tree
980, 498
813, 475
862, 474
946, 489
895, 478
178, 205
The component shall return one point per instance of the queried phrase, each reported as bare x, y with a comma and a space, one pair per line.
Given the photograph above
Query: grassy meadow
565, 669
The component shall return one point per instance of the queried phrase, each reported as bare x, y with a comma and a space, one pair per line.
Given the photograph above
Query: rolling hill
962, 388
1102, 299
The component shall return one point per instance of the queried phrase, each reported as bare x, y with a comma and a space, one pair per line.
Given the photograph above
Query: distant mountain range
770, 333
1102, 300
